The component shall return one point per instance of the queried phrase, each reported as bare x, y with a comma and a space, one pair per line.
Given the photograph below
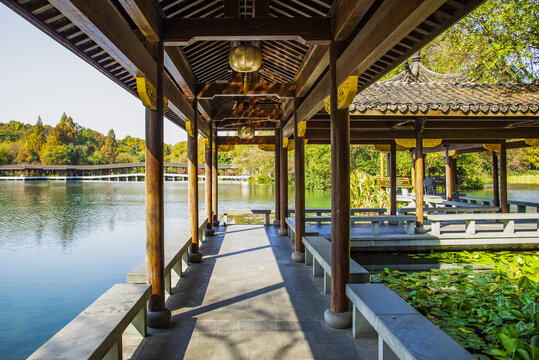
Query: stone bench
238, 212
376, 221
353, 211
449, 210
318, 254
508, 221
266, 212
96, 333
310, 230
403, 333
176, 256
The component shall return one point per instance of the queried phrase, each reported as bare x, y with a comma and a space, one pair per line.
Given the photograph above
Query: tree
109, 148
55, 155
4, 155
317, 167
33, 145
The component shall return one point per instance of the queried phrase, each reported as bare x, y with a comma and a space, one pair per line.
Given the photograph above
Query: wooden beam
147, 15
315, 62
495, 181
299, 193
277, 175
283, 187
393, 179
232, 8
459, 135
248, 113
504, 207
184, 31
448, 176
234, 140
208, 183
215, 174
261, 8
104, 24
192, 193
346, 15
419, 175
209, 91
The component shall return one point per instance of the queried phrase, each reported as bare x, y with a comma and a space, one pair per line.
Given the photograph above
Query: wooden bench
318, 254
353, 211
376, 221
96, 333
310, 230
176, 256
508, 221
403, 333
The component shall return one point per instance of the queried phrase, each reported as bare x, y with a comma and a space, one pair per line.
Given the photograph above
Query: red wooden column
495, 184
214, 176
393, 179
339, 315
277, 171
158, 314
448, 176
299, 172
504, 207
454, 174
208, 184
419, 175
283, 187
192, 188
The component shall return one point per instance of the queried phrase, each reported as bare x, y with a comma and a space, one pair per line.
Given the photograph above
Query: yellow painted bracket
285, 142
225, 148
493, 147
267, 147
345, 94
302, 127
410, 143
532, 142
148, 94
189, 128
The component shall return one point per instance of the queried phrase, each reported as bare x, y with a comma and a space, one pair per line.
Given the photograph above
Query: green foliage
109, 147
488, 304
4, 152
56, 155
253, 161
365, 158
14, 131
365, 193
33, 145
317, 167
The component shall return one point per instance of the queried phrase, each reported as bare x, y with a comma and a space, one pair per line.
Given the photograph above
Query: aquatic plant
492, 313
365, 193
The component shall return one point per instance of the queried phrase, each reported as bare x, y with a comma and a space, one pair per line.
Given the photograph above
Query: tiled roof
400, 97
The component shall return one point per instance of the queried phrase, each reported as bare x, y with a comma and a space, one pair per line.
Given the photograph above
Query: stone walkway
247, 300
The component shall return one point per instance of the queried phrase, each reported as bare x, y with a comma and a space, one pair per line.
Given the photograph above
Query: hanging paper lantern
245, 58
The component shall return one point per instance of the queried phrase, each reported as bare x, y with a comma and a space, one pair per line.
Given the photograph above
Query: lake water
63, 244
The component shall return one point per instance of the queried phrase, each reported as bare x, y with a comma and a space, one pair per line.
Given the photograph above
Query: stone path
247, 300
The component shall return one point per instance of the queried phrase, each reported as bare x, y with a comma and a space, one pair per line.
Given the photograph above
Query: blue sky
42, 78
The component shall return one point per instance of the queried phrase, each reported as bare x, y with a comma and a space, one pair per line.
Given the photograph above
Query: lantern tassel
245, 85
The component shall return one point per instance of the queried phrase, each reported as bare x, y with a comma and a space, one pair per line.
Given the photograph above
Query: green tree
56, 155
33, 144
317, 167
109, 148
4, 155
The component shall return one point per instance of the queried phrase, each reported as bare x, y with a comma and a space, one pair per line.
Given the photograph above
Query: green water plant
492, 313
365, 193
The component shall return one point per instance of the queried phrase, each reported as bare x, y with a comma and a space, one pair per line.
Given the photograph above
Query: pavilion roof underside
373, 37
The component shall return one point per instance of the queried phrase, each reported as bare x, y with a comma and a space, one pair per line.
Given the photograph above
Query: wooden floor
247, 300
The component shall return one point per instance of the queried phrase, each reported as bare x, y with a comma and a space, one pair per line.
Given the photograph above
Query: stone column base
283, 232
338, 320
298, 257
195, 257
209, 232
158, 319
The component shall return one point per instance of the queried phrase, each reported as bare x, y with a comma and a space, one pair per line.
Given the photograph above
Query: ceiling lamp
246, 132
245, 58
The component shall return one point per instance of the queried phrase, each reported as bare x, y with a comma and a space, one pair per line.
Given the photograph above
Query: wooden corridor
248, 300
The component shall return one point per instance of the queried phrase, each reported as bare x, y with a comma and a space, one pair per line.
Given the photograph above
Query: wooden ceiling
373, 36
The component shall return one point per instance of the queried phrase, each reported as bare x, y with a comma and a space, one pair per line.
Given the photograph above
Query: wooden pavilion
174, 55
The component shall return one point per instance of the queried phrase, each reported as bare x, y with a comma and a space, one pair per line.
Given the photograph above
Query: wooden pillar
503, 179
495, 184
299, 173
454, 175
215, 176
208, 183
412, 156
393, 179
419, 173
448, 175
277, 172
338, 315
158, 315
192, 187
283, 186
382, 164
